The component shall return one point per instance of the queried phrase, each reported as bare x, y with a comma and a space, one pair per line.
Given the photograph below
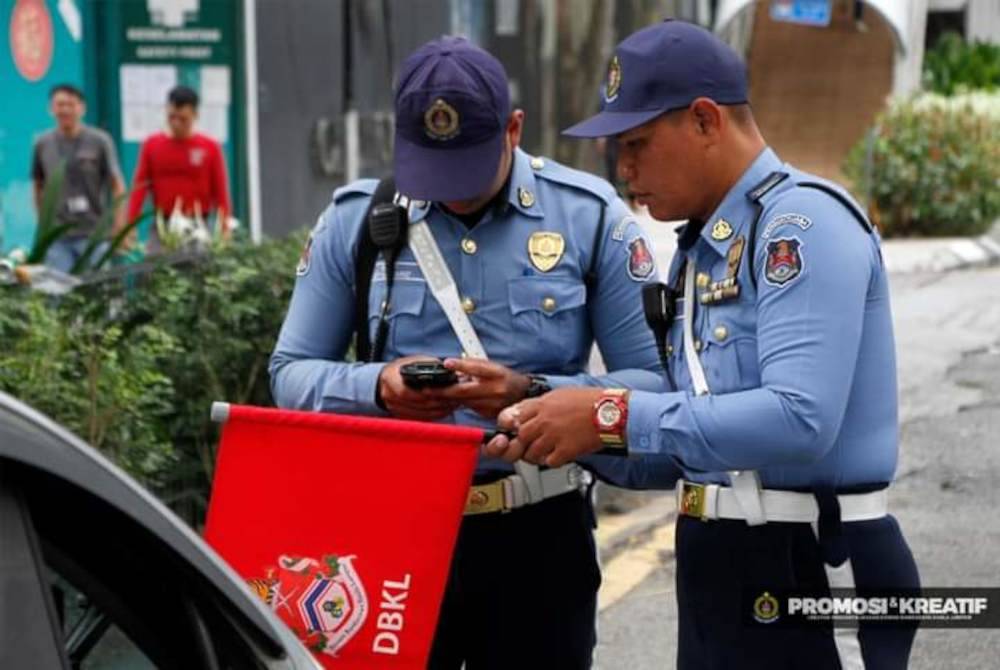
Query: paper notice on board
213, 120
146, 84
141, 121
215, 85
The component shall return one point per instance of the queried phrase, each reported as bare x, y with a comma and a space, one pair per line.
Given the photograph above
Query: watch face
608, 414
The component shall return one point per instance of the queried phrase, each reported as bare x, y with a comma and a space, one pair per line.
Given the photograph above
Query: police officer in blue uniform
545, 260
783, 415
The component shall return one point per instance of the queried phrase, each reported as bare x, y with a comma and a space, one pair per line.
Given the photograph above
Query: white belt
515, 491
712, 501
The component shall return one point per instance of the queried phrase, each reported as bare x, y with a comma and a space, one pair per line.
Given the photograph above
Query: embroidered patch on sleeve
640, 260
784, 261
618, 233
799, 220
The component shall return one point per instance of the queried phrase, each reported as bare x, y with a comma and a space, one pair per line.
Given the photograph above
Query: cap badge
545, 250
441, 121
614, 80
721, 230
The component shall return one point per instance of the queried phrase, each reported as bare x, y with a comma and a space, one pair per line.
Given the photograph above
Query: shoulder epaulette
766, 185
358, 187
549, 170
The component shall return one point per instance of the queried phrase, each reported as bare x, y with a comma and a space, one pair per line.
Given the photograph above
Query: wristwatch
538, 385
611, 416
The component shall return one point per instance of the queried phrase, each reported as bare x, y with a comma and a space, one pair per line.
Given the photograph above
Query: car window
92, 641
125, 599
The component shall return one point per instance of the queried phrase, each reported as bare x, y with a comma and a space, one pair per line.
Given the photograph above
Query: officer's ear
707, 116
515, 126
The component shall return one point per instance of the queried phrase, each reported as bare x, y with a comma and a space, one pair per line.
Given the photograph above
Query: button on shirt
800, 366
530, 319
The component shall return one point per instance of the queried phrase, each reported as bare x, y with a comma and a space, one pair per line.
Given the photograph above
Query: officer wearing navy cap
545, 261
783, 411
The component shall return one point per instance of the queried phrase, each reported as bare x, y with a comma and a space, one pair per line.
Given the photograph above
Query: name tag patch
802, 222
405, 271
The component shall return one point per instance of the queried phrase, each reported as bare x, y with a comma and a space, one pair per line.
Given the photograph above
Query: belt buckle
692, 502
485, 498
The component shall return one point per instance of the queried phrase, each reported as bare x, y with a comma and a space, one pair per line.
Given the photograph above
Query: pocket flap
548, 295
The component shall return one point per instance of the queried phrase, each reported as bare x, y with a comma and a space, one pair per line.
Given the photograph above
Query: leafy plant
100, 381
133, 359
931, 165
49, 229
955, 66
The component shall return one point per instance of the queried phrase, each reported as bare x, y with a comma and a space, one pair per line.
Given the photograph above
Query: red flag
343, 525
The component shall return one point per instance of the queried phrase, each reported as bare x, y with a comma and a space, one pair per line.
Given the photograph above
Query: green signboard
158, 44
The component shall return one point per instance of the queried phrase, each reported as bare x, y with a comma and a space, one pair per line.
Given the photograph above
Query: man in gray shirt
92, 180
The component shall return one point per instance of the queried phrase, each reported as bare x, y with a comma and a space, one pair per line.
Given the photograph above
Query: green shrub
132, 362
932, 166
954, 66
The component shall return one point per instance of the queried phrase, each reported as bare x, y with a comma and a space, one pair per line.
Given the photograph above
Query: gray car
96, 573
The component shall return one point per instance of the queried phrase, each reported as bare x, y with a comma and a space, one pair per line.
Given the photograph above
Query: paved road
946, 495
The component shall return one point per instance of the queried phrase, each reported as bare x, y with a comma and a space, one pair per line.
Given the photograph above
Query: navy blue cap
452, 106
660, 68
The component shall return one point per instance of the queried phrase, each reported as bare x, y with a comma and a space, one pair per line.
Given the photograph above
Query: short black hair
182, 96
67, 88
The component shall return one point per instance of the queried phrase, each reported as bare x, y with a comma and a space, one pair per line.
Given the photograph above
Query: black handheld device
427, 374
659, 306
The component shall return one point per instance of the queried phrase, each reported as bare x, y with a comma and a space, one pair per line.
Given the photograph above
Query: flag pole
220, 411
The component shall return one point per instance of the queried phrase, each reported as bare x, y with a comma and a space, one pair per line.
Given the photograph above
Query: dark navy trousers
522, 591
720, 563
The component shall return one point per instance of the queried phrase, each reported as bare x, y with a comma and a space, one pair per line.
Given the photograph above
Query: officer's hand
509, 420
552, 430
405, 403
484, 387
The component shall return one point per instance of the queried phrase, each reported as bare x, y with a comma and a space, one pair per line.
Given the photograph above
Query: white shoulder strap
690, 354
432, 264
425, 249
745, 483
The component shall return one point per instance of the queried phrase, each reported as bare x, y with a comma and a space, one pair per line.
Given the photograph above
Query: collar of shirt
523, 192
736, 208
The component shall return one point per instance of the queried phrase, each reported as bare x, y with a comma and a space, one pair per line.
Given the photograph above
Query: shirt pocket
549, 319
406, 305
729, 348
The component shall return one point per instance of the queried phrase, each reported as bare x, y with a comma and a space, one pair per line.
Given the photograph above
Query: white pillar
982, 21
253, 120
907, 71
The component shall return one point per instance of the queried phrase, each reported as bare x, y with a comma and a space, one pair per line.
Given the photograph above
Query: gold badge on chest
545, 250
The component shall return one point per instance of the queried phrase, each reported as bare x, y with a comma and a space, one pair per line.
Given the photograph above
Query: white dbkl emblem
197, 156
171, 13
323, 602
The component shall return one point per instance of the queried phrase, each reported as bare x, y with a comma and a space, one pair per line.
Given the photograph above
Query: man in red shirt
184, 170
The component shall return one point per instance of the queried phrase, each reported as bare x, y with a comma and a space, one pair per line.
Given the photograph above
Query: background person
91, 177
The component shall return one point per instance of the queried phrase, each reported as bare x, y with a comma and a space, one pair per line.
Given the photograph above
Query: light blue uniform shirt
530, 320
801, 365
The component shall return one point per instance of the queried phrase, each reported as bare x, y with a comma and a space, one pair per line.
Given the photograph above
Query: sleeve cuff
643, 429
562, 381
366, 384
